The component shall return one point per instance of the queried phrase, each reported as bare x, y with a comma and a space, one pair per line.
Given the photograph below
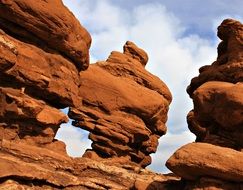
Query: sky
179, 37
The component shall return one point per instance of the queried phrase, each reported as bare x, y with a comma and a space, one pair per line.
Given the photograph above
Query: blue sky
178, 35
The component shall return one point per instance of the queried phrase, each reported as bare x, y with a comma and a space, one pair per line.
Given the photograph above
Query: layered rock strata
48, 24
36, 82
217, 117
24, 166
43, 48
215, 161
124, 107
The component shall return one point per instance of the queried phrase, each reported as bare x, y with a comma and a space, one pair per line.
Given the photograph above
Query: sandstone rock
22, 117
201, 159
126, 108
38, 44
216, 119
217, 92
221, 102
48, 23
48, 169
44, 75
229, 64
118, 101
135, 52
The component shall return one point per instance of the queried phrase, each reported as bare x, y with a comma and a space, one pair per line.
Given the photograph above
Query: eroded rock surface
216, 120
229, 64
49, 24
30, 167
35, 81
43, 48
124, 107
217, 117
196, 160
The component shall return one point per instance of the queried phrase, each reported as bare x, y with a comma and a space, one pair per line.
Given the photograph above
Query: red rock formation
196, 160
217, 118
47, 23
124, 107
24, 166
42, 49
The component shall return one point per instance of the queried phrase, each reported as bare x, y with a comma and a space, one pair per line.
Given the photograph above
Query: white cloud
76, 140
174, 56
197, 15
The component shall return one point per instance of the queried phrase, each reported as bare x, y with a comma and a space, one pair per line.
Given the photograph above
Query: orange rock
221, 102
206, 183
217, 117
48, 76
229, 64
48, 23
201, 159
46, 168
126, 108
135, 52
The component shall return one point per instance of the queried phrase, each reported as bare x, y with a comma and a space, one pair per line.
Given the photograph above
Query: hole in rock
76, 139
9, 100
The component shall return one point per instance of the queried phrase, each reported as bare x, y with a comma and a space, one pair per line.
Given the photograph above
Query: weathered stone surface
44, 168
48, 76
221, 102
42, 49
124, 106
48, 23
201, 159
135, 52
229, 65
217, 118
23, 117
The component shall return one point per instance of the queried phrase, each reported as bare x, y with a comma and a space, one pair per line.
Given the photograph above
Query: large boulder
196, 160
23, 166
42, 74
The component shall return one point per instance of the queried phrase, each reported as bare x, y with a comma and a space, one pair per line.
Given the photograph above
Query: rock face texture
215, 161
24, 166
202, 159
124, 107
47, 24
43, 48
34, 83
217, 117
